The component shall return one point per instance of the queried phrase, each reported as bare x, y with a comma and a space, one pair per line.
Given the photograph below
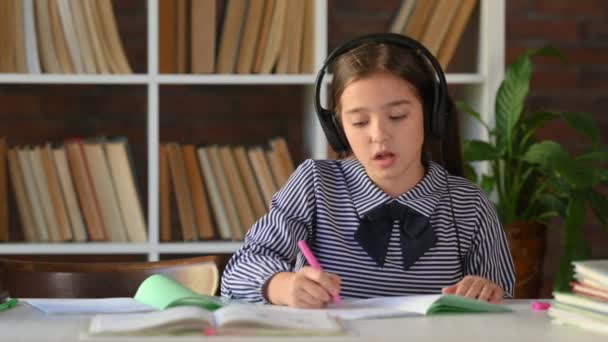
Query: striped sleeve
270, 245
490, 256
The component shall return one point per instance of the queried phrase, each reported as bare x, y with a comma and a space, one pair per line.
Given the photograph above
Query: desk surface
25, 323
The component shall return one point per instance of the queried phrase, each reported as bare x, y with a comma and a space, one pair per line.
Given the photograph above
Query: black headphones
435, 121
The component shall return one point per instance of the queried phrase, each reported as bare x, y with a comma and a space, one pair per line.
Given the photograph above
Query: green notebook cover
161, 293
450, 304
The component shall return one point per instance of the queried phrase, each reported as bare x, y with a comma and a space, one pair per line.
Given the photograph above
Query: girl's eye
359, 123
397, 117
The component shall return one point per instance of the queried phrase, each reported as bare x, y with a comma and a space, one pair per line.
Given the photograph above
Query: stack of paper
587, 306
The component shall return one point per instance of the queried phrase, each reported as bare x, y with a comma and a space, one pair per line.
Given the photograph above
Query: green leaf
465, 108
584, 124
547, 51
488, 183
510, 100
534, 121
557, 163
599, 204
575, 246
594, 156
552, 203
469, 173
476, 150
546, 154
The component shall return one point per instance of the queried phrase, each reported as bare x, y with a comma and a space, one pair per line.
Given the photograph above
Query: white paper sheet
87, 305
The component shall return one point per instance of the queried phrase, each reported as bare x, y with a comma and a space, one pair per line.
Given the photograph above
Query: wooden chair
36, 279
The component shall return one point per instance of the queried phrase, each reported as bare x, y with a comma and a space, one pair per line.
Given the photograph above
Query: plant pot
527, 244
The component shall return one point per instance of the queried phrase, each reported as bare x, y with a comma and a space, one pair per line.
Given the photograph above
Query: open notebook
416, 305
182, 311
234, 319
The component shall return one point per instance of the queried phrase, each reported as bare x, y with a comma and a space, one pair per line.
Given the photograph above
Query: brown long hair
367, 59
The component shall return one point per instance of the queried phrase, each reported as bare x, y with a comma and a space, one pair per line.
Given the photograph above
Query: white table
25, 323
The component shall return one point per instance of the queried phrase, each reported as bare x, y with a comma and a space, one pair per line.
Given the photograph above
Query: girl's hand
478, 288
307, 288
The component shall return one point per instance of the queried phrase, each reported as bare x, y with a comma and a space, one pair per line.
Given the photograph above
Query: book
200, 202
184, 311
595, 270
202, 36
249, 37
414, 305
215, 198
69, 194
595, 292
581, 302
121, 170
402, 16
452, 37
235, 319
26, 214
231, 36
584, 319
4, 212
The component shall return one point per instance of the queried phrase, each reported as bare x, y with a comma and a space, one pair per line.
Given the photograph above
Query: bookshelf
476, 87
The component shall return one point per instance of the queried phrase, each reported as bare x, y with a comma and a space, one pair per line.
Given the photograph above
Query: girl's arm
270, 245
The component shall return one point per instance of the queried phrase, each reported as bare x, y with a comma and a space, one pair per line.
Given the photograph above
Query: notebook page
275, 317
87, 305
174, 319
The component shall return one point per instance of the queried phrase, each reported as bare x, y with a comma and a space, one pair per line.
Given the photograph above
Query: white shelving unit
479, 89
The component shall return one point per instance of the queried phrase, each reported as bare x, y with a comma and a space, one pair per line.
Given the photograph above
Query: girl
388, 219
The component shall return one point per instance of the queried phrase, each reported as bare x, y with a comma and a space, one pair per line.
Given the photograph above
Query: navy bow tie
415, 232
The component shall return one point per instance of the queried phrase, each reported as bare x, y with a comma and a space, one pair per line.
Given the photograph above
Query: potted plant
531, 181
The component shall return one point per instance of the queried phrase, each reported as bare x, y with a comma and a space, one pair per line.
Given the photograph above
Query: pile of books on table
587, 306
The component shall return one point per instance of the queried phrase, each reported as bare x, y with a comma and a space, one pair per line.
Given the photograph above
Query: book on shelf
44, 196
33, 195
122, 175
254, 193
181, 185
452, 38
439, 24
182, 312
232, 29
215, 198
69, 194
85, 189
262, 41
403, 15
226, 195
104, 189
307, 63
30, 37
57, 202
202, 36
275, 33
61, 37
200, 203
4, 213
236, 187
249, 37
24, 207
418, 21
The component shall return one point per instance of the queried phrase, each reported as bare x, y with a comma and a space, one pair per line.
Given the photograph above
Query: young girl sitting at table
388, 219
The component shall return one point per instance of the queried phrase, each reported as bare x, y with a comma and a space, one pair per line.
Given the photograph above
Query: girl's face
384, 124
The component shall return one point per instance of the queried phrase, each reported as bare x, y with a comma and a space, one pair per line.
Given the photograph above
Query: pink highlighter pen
315, 264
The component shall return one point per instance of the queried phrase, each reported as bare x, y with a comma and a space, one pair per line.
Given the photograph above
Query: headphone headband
435, 120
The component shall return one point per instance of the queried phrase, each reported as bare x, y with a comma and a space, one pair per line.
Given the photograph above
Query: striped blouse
322, 203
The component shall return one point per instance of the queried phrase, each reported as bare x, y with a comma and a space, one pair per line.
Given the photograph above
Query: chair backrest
36, 279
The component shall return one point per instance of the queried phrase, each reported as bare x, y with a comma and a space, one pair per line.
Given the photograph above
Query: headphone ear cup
333, 131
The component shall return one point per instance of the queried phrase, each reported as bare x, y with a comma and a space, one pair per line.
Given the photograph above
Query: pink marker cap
540, 306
